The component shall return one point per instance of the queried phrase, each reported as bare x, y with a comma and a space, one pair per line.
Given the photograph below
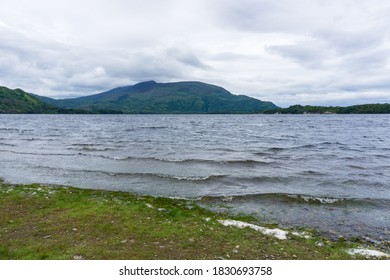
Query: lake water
328, 172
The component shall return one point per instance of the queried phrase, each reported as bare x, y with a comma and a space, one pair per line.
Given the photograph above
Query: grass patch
41, 222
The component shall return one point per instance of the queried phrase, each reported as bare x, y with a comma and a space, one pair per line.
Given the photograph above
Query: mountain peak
144, 86
150, 97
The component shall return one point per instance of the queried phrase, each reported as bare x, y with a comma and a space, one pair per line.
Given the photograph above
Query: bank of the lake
42, 222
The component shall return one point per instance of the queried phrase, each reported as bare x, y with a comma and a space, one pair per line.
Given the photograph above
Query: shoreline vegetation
59, 222
327, 110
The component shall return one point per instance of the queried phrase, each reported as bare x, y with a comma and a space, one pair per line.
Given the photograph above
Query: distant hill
355, 109
17, 101
165, 98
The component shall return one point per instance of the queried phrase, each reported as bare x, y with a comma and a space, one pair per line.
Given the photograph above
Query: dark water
327, 172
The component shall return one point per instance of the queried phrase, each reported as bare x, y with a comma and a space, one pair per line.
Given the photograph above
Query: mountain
355, 109
17, 101
165, 98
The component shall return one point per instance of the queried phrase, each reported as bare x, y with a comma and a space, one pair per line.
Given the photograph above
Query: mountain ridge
150, 97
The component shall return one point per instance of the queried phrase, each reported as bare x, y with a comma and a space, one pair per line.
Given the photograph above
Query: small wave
300, 199
155, 175
356, 167
382, 156
259, 180
244, 162
276, 149
37, 154
147, 128
315, 199
8, 129
31, 139
332, 143
312, 173
83, 144
8, 145
308, 146
261, 153
92, 149
88, 147
187, 178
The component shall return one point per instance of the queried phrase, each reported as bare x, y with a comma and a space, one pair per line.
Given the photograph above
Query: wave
307, 146
147, 128
31, 139
238, 162
276, 149
151, 175
8, 129
92, 149
36, 154
83, 144
8, 145
154, 175
244, 162
89, 147
300, 199
312, 173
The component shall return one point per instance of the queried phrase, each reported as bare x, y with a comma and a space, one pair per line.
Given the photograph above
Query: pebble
235, 251
78, 257
320, 244
47, 236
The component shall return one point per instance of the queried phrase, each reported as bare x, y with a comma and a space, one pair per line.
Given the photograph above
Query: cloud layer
289, 52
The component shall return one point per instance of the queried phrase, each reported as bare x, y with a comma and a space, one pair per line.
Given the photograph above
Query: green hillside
17, 101
165, 98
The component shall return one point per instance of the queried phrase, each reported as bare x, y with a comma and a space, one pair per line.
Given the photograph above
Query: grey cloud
310, 53
346, 41
258, 16
187, 57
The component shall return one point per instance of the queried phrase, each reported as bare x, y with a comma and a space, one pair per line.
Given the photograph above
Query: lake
328, 172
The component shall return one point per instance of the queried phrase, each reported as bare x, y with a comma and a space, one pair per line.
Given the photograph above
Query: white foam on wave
278, 233
322, 200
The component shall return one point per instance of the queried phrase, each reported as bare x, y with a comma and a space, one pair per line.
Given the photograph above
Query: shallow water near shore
328, 172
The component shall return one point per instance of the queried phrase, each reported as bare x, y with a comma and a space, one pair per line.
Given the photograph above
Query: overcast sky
329, 52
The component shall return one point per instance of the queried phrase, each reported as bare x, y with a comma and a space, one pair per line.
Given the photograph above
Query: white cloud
289, 52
